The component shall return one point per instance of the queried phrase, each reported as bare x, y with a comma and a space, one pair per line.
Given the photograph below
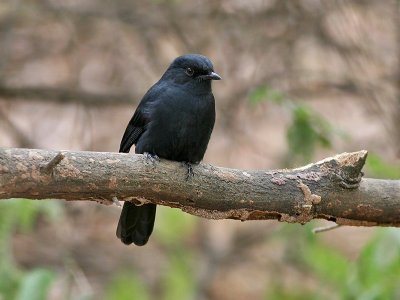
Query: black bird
174, 121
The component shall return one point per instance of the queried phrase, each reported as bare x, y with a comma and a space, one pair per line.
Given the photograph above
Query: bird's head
192, 69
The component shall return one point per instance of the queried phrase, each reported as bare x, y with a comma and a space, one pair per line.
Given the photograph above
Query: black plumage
174, 120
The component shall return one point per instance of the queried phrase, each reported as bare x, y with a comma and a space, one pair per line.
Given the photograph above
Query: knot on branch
345, 166
304, 211
350, 165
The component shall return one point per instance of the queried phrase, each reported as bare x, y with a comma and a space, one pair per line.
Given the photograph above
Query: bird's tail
136, 223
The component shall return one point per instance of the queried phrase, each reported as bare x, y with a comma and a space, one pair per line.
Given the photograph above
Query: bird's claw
189, 169
153, 158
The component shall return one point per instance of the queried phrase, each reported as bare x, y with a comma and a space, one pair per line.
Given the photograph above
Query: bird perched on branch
174, 120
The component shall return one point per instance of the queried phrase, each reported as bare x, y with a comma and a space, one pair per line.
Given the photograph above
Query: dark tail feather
136, 223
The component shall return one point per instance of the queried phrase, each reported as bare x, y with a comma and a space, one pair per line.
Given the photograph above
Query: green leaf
35, 285
9, 280
21, 213
380, 169
24, 212
375, 275
28, 211
265, 93
301, 135
378, 267
127, 286
328, 264
173, 225
278, 292
178, 280
307, 131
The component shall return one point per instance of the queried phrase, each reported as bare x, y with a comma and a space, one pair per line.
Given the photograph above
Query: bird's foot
152, 158
189, 169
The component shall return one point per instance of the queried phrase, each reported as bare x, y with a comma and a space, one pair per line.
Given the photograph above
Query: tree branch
64, 95
331, 189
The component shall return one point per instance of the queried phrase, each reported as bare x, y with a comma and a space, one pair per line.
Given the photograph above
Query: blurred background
302, 80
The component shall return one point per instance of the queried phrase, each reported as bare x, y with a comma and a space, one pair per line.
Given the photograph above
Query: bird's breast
180, 128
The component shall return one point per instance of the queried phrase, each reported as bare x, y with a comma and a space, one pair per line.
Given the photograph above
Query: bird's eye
189, 71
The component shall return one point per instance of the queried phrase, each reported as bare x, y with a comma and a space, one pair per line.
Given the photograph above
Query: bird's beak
213, 76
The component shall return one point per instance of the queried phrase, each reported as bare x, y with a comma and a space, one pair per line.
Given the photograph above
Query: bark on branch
331, 189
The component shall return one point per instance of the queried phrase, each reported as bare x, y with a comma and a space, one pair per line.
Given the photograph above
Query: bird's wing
137, 124
133, 131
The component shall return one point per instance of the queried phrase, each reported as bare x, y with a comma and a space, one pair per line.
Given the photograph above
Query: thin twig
325, 228
54, 162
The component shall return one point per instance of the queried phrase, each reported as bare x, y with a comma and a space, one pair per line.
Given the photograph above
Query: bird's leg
189, 169
153, 158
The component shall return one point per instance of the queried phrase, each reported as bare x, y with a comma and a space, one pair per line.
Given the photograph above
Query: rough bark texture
331, 189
